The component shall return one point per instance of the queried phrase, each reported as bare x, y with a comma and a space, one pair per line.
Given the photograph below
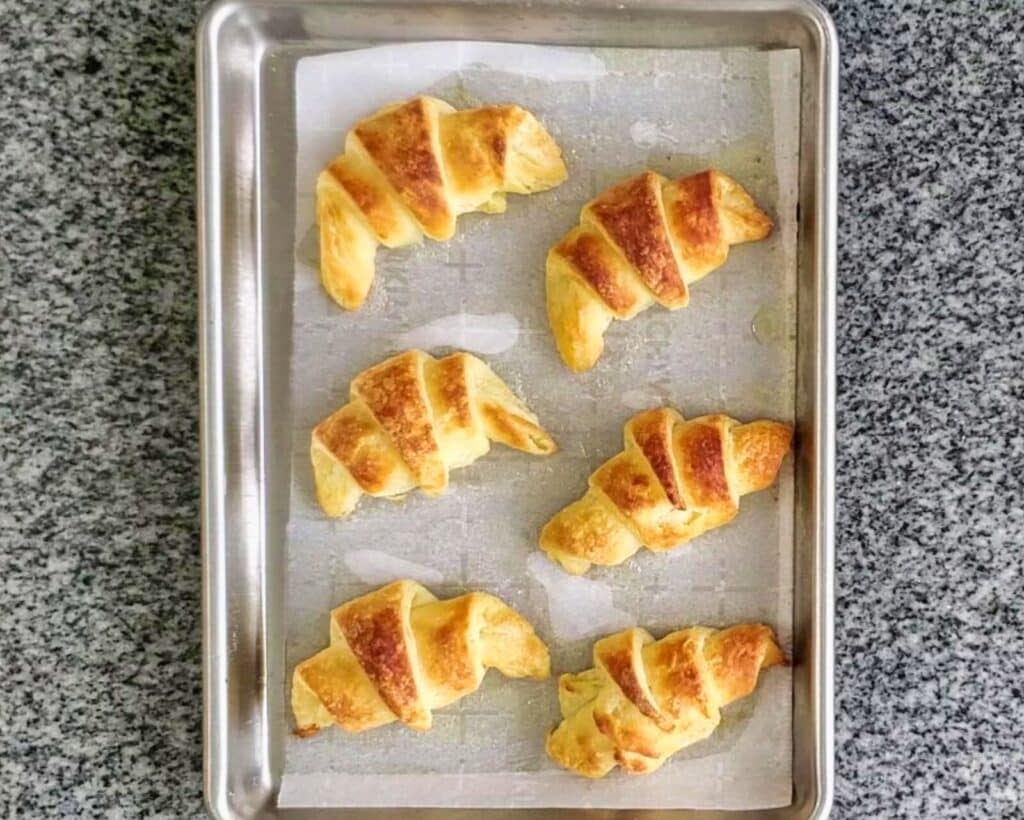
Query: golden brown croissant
410, 169
398, 653
410, 420
644, 700
642, 241
674, 480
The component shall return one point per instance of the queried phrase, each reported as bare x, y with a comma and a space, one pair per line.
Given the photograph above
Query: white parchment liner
614, 112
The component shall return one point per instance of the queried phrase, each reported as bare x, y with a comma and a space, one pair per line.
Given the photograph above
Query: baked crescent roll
644, 700
642, 241
674, 480
410, 420
410, 169
399, 653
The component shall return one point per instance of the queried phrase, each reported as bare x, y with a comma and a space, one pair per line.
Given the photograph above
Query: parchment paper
614, 112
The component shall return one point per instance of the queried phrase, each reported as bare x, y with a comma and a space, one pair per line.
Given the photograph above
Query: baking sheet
614, 112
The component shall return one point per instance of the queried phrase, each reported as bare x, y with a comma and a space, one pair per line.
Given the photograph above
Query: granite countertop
99, 553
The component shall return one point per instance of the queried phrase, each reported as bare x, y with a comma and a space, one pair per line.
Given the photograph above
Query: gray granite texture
99, 555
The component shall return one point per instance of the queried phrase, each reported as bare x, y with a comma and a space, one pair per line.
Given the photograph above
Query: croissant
674, 480
398, 653
642, 241
644, 700
410, 420
411, 169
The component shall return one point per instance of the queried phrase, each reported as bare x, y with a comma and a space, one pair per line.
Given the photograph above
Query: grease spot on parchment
307, 250
486, 333
578, 607
375, 567
646, 397
647, 134
771, 325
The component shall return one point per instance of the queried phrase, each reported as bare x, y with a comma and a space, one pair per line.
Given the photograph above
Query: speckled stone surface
930, 570
99, 497
99, 554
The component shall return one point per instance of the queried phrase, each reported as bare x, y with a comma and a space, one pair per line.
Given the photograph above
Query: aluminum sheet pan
263, 538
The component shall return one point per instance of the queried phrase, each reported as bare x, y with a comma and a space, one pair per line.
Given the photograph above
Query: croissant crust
398, 653
409, 421
644, 700
673, 481
410, 169
644, 240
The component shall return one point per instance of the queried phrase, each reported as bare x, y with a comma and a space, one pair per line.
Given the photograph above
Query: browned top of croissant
470, 152
671, 233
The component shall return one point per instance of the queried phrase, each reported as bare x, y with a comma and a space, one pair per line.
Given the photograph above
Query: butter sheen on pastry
644, 700
410, 420
410, 169
674, 480
644, 240
398, 653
